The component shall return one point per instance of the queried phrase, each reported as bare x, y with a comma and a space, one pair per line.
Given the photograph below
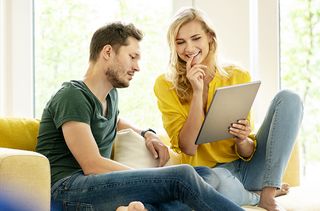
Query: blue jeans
178, 187
275, 140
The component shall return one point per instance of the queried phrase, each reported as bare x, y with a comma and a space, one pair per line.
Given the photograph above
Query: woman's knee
290, 100
289, 97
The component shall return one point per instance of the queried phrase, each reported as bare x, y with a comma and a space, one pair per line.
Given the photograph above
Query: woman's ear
211, 41
106, 52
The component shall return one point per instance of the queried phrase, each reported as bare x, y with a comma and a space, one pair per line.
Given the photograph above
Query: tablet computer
229, 104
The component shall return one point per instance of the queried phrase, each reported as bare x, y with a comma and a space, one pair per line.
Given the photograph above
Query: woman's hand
240, 130
196, 74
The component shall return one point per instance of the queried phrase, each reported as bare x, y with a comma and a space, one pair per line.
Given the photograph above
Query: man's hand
157, 148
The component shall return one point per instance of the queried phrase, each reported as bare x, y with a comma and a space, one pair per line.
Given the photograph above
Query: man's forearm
105, 165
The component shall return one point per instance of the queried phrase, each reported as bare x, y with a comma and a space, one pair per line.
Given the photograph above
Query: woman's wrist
245, 147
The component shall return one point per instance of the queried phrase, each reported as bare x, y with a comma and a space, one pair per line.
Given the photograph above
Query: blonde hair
177, 73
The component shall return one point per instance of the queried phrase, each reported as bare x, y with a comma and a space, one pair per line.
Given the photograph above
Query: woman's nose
189, 48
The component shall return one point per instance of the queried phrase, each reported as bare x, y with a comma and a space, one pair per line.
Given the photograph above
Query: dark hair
114, 34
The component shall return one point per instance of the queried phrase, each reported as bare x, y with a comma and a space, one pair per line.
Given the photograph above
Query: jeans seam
269, 152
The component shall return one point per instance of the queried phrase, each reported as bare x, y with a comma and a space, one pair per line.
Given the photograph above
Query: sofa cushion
19, 133
129, 149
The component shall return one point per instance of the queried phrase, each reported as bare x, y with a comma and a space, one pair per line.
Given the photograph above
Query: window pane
63, 29
300, 62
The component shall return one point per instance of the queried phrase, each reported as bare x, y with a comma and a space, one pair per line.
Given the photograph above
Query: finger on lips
188, 65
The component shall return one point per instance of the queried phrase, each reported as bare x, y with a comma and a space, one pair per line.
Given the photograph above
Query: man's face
125, 64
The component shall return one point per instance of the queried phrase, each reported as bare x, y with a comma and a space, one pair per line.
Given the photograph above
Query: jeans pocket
77, 206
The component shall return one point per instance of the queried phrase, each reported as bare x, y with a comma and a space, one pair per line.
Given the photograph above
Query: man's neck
97, 82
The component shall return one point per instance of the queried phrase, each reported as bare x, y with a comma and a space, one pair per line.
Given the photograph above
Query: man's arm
80, 141
153, 142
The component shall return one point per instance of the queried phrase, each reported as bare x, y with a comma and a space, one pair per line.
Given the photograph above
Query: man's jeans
168, 188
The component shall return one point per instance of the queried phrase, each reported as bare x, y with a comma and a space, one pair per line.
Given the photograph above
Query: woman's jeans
275, 140
168, 188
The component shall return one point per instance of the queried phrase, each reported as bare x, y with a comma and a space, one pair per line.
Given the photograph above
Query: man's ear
106, 51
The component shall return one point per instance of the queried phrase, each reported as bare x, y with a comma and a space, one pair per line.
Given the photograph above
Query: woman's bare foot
283, 190
267, 199
133, 206
279, 192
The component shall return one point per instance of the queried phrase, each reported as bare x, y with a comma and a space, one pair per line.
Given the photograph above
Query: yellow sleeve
173, 115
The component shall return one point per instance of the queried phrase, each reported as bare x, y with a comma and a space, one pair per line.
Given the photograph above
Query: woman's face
192, 42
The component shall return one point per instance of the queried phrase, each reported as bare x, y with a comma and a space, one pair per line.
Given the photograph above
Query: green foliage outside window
63, 29
300, 66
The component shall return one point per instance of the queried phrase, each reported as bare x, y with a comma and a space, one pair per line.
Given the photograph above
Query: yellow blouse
174, 115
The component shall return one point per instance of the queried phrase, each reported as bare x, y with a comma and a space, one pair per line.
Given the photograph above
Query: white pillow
130, 149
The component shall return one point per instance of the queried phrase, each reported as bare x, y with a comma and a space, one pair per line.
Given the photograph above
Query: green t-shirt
75, 102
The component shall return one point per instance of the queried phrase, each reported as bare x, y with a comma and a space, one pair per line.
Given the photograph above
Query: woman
255, 160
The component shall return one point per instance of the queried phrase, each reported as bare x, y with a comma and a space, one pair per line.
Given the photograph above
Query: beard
115, 79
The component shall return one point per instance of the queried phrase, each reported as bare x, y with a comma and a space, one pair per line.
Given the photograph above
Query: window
63, 30
300, 61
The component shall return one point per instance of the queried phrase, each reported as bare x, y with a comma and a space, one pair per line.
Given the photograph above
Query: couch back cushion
19, 133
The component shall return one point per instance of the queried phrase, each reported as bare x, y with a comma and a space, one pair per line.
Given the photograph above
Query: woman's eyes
194, 39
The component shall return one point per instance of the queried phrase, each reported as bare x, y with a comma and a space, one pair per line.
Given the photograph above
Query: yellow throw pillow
19, 133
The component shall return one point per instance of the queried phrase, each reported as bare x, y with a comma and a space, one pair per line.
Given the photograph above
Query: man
77, 129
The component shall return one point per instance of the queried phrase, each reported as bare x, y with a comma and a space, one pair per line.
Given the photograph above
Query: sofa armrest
25, 175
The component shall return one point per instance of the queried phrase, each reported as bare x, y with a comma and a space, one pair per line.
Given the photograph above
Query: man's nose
136, 67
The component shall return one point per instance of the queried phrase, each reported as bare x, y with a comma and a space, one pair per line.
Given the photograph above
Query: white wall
16, 58
268, 53
231, 23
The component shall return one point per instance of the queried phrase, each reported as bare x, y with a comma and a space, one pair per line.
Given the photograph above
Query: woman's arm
191, 128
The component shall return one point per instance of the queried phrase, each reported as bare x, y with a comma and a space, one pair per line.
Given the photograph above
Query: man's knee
208, 175
185, 169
